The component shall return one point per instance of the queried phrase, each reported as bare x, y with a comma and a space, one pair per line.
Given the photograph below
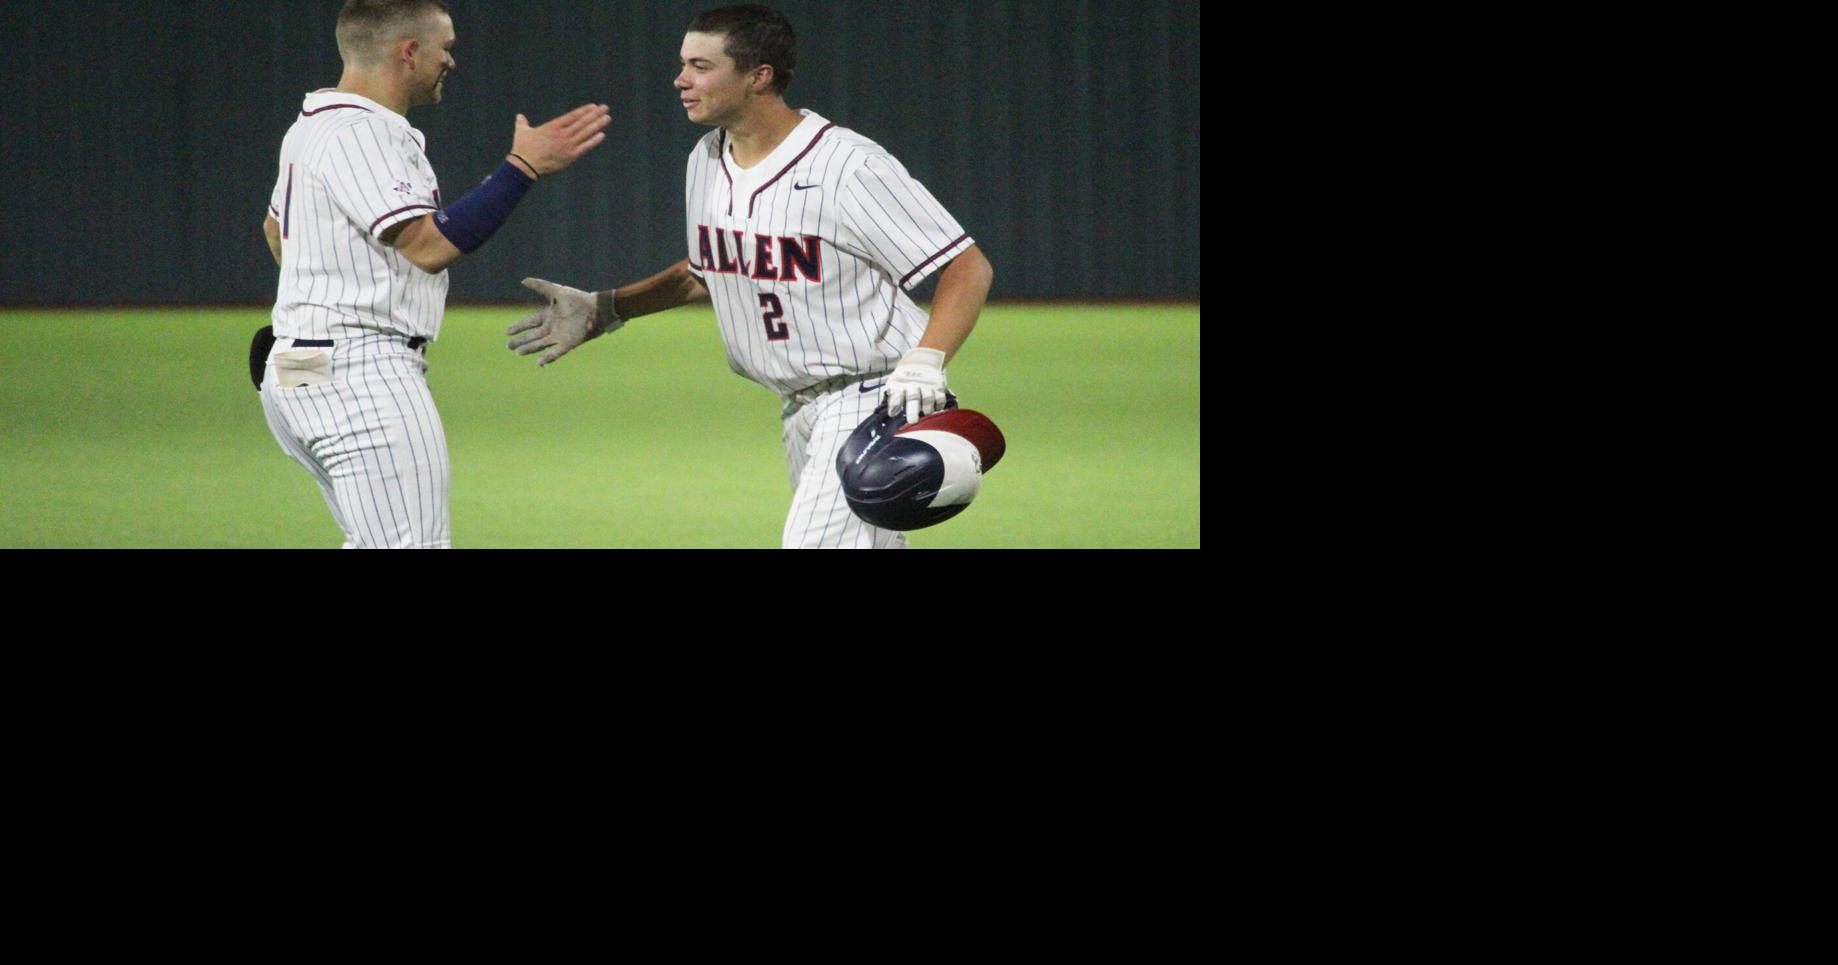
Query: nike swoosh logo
870, 387
795, 186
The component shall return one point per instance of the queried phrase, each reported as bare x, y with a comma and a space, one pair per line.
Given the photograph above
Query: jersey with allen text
809, 254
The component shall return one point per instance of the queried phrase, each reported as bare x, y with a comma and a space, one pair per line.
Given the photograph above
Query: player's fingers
902, 401
552, 356
592, 143
548, 289
523, 123
524, 324
590, 131
534, 340
579, 132
574, 118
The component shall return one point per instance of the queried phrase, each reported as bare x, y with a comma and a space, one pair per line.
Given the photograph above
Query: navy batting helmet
898, 476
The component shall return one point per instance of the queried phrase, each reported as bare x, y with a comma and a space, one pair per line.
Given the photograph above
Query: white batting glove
917, 384
571, 318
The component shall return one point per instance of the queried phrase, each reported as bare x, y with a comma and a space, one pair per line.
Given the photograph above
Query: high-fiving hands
560, 142
571, 318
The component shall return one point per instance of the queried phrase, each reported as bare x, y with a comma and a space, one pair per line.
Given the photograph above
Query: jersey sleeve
374, 173
277, 199
897, 222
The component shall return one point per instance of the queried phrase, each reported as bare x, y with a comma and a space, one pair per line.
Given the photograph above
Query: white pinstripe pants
373, 441
820, 518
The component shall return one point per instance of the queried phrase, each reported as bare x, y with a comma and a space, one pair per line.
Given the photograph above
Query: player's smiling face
433, 60
710, 87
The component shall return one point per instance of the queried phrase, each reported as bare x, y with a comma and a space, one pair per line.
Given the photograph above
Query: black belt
414, 343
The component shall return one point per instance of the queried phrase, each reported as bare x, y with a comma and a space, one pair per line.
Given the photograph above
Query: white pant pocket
296, 367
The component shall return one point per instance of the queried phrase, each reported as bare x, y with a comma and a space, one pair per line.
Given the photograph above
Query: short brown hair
364, 26
755, 35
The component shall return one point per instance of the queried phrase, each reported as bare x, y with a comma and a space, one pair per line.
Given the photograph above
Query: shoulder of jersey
339, 122
858, 151
334, 120
854, 140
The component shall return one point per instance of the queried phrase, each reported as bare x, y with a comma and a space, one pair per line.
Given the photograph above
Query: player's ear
762, 78
406, 49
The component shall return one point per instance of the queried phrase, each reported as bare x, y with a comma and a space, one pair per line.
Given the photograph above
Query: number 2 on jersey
776, 331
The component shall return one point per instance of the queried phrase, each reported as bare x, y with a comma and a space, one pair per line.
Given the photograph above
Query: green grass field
140, 429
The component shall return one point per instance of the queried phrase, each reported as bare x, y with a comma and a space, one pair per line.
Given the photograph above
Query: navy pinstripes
721, 151
907, 249
857, 321
372, 438
290, 444
861, 280
422, 443
316, 416
843, 271
820, 517
350, 161
880, 232
372, 444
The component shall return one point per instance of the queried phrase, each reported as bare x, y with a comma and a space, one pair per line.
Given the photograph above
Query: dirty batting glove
571, 318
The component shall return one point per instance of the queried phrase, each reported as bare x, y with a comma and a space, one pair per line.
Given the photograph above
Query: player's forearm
671, 288
271, 232
963, 286
423, 245
434, 242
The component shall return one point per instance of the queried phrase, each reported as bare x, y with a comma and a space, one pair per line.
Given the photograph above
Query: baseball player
358, 227
807, 237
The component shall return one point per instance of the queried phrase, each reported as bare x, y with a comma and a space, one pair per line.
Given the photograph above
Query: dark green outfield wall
140, 137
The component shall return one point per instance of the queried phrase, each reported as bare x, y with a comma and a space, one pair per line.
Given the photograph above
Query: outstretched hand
571, 318
561, 141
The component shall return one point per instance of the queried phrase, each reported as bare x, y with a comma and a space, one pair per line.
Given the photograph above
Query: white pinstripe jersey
351, 169
808, 255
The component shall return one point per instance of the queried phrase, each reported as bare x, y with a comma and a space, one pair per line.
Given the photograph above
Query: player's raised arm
435, 241
574, 317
